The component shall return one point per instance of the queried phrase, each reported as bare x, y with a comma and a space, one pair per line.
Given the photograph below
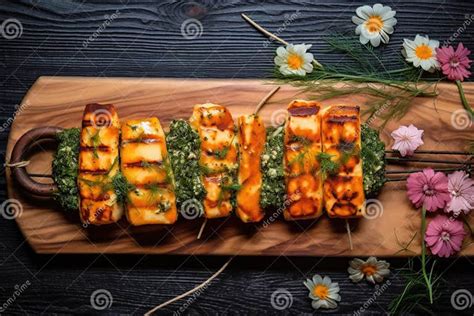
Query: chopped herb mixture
121, 187
373, 161
65, 168
273, 187
183, 151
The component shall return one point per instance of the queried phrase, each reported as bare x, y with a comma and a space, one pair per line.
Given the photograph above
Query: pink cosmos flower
444, 235
455, 64
461, 188
407, 139
429, 189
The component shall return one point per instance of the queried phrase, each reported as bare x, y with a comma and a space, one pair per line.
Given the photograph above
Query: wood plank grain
55, 30
59, 101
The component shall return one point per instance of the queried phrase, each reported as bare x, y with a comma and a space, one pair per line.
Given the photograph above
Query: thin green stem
464, 100
396, 71
423, 254
390, 83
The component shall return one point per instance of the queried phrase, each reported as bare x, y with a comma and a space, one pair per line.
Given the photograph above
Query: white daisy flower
374, 23
373, 270
323, 292
421, 52
294, 60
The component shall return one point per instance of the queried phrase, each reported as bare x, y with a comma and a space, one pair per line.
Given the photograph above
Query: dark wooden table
145, 40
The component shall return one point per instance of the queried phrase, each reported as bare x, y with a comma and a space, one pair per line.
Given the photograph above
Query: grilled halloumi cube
145, 165
98, 164
303, 176
252, 135
343, 188
218, 158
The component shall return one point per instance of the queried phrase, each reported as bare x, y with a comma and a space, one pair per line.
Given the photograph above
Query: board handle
22, 146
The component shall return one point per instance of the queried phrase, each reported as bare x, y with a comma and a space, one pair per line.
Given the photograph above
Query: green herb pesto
183, 152
273, 184
373, 161
65, 169
121, 187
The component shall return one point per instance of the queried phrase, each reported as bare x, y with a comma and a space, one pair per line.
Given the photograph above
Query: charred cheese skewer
303, 177
343, 189
218, 159
98, 164
252, 135
146, 167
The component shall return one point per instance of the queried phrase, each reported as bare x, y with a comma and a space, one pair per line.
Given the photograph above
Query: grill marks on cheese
145, 165
343, 190
252, 136
218, 159
302, 146
98, 164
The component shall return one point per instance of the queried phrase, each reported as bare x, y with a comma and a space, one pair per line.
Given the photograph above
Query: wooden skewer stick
271, 35
448, 162
265, 99
349, 234
434, 152
417, 170
261, 29
396, 179
202, 229
200, 286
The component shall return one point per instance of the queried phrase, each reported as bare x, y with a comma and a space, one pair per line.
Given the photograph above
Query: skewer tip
349, 234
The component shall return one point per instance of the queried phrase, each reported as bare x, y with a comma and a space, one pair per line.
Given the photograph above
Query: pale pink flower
455, 64
407, 139
461, 188
429, 189
444, 235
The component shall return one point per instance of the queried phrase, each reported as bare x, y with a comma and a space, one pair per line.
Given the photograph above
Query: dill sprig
121, 187
414, 297
389, 91
422, 285
327, 164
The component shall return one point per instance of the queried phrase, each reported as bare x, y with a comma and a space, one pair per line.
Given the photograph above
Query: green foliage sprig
389, 91
422, 286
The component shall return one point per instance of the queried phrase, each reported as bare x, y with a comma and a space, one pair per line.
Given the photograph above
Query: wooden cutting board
59, 101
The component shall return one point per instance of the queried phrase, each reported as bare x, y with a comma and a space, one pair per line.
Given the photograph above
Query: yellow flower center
321, 291
374, 24
424, 51
295, 61
368, 269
